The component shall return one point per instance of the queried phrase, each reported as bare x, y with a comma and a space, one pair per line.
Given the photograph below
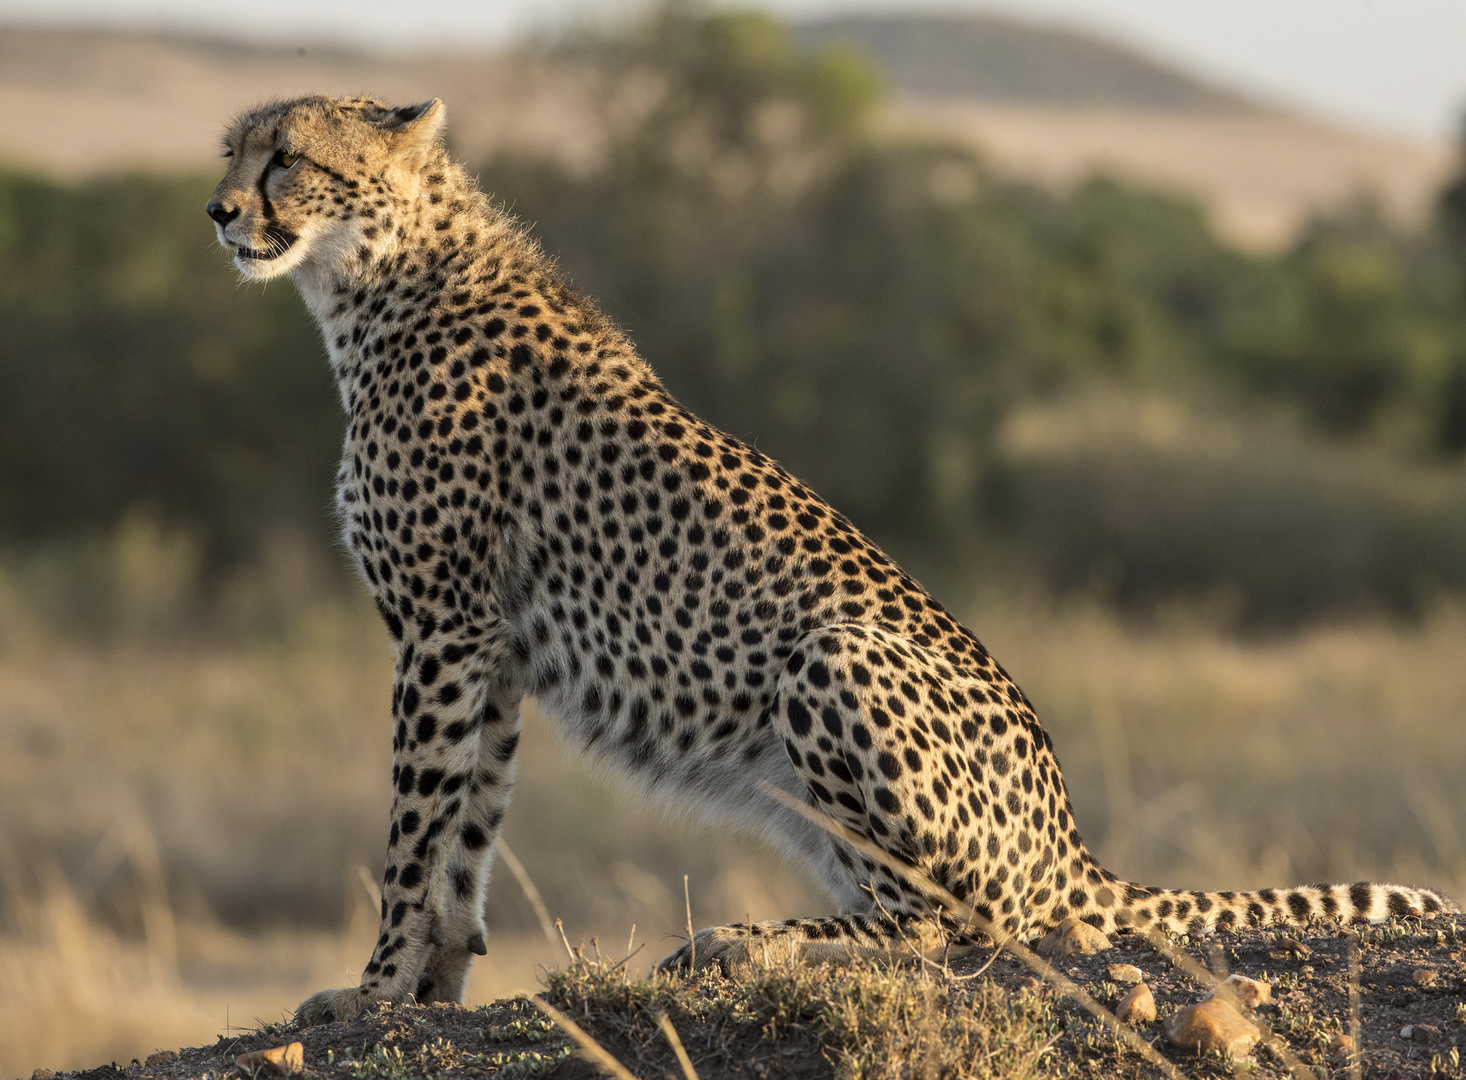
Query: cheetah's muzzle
279, 242
534, 512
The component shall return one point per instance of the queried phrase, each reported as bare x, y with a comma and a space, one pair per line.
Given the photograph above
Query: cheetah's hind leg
845, 743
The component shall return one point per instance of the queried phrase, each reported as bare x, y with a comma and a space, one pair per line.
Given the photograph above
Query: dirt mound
980, 1016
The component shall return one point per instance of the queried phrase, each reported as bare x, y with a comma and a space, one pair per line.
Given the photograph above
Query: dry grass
1198, 760
75, 992
185, 826
866, 1021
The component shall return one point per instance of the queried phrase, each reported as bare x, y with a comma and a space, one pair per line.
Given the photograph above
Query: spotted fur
535, 514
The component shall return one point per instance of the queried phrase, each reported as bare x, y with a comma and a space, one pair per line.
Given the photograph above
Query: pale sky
1395, 65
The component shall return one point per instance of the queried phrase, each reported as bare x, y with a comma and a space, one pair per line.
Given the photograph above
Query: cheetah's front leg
466, 853
455, 737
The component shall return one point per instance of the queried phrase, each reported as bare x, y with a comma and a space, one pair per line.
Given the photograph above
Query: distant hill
997, 59
1043, 104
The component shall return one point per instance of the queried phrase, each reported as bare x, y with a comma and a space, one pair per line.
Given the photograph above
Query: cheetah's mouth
277, 240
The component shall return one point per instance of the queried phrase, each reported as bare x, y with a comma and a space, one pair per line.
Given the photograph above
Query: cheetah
535, 515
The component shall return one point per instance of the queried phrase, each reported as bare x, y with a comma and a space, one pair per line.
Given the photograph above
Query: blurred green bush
136, 375
878, 314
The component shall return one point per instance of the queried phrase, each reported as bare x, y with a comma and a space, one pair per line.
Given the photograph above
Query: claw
476, 945
437, 936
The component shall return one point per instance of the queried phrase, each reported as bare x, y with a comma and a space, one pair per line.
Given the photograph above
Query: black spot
799, 719
394, 624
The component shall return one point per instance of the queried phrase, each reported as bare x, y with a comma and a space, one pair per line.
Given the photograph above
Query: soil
1411, 988
1412, 977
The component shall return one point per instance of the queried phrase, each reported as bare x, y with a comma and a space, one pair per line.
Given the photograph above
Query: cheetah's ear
416, 127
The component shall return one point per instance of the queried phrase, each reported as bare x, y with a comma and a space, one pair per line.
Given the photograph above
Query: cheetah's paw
328, 1006
731, 950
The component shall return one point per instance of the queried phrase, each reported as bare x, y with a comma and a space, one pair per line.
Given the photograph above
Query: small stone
1212, 1025
1249, 993
1137, 1007
43, 1074
161, 1057
1295, 947
1073, 938
1407, 1032
1425, 977
1126, 973
1306, 971
281, 1060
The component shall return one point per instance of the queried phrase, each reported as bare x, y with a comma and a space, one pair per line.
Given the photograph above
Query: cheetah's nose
221, 213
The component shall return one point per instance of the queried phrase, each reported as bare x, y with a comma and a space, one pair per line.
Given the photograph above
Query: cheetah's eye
284, 160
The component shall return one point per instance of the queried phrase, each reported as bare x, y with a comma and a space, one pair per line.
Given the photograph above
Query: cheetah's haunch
536, 515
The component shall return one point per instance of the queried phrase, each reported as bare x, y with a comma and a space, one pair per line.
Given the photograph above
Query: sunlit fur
337, 232
535, 514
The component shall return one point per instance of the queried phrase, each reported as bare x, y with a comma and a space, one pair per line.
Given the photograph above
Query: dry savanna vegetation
192, 830
1206, 503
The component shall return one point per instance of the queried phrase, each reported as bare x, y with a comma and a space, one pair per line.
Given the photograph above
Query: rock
1023, 984
1125, 973
161, 1057
43, 1074
1137, 1007
1425, 1033
1212, 1025
1425, 977
1073, 938
1407, 1032
278, 1060
1249, 993
1295, 947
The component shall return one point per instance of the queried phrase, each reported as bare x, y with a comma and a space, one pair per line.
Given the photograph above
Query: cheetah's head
315, 184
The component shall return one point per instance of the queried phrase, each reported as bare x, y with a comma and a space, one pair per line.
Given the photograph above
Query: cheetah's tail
1141, 906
